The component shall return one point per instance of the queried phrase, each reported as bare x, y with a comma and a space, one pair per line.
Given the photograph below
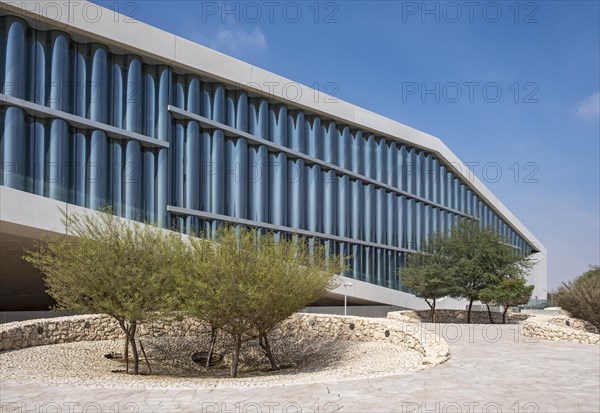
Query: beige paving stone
509, 375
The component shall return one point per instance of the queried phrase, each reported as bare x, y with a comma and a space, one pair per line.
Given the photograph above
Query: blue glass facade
84, 125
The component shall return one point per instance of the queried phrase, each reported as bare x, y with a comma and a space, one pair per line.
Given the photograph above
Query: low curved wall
434, 349
455, 316
559, 328
22, 334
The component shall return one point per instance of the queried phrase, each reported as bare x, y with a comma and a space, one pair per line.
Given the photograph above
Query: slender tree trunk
490, 313
264, 343
236, 354
126, 346
211, 349
432, 309
126, 354
469, 311
134, 352
145, 356
504, 315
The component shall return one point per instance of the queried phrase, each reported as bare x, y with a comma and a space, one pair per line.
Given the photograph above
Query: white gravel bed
84, 364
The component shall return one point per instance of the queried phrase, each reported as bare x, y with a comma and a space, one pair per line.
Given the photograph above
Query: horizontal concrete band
45, 112
273, 227
273, 147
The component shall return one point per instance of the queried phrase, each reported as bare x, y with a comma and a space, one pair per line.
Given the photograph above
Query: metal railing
539, 304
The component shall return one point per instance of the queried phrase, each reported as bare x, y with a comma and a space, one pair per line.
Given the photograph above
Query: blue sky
515, 87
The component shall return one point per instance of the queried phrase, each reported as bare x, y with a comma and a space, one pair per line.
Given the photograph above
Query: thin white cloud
589, 108
239, 41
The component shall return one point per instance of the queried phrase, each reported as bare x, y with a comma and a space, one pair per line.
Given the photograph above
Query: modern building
100, 111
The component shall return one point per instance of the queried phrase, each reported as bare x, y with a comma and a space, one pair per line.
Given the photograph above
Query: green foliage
245, 282
108, 265
466, 261
426, 274
240, 281
480, 258
509, 292
581, 296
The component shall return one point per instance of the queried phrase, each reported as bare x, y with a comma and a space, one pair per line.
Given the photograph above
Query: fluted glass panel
403, 168
133, 122
329, 201
410, 225
380, 216
148, 175
428, 177
98, 170
418, 225
258, 164
77, 170
427, 222
177, 153
278, 166
188, 149
401, 223
435, 181
329, 155
296, 180
356, 228
456, 195
369, 210
434, 220
392, 164
369, 162
343, 213
313, 174
217, 109
163, 128
392, 217
411, 166
14, 55
13, 148
381, 157
355, 152
344, 204
368, 264
449, 190
38, 152
443, 200
420, 174
236, 157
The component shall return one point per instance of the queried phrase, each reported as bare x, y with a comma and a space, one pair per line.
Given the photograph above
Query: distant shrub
581, 296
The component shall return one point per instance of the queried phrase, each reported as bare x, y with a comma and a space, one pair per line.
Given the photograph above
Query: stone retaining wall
556, 328
24, 334
407, 335
455, 316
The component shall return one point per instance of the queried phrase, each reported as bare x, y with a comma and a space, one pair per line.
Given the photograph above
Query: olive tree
108, 265
426, 274
198, 291
294, 273
464, 262
509, 292
479, 258
246, 282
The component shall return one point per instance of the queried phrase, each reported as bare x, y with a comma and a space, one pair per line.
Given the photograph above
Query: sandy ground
84, 364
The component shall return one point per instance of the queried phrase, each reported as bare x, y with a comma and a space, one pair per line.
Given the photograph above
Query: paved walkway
492, 369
